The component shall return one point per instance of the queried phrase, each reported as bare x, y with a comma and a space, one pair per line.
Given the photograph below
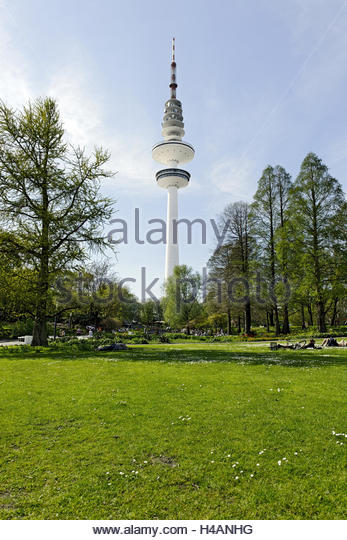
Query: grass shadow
181, 353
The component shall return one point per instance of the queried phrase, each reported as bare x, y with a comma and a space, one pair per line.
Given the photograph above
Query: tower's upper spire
173, 84
173, 126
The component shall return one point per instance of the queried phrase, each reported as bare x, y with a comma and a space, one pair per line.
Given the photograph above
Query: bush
164, 339
110, 324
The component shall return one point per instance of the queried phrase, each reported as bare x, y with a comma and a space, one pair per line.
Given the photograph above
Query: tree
230, 263
181, 304
95, 294
268, 217
284, 184
318, 213
50, 203
150, 312
221, 273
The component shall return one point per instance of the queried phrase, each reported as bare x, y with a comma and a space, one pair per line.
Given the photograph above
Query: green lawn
173, 432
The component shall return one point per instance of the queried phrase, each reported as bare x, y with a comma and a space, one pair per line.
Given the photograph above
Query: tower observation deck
172, 151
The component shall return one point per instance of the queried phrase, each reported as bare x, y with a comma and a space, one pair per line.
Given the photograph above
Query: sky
261, 82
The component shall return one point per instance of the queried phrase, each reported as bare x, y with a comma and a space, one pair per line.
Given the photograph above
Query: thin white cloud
86, 125
234, 176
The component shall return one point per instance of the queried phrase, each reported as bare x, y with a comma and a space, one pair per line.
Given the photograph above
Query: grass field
173, 432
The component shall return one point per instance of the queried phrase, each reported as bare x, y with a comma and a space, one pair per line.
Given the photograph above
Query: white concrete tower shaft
171, 152
172, 257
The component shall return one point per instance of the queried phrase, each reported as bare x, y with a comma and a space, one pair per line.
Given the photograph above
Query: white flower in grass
279, 462
241, 472
236, 477
252, 475
234, 465
121, 473
295, 453
284, 459
228, 455
108, 472
258, 464
145, 461
212, 461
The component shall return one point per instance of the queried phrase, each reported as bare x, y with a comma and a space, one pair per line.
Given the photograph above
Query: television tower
171, 152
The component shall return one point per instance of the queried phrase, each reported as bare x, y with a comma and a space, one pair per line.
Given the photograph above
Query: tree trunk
229, 322
40, 336
277, 321
310, 314
40, 324
267, 322
271, 317
334, 313
239, 324
248, 317
321, 317
188, 330
303, 323
286, 327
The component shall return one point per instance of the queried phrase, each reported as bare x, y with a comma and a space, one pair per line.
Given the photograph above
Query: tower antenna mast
173, 84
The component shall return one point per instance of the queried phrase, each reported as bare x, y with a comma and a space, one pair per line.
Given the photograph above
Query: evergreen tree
265, 219
51, 210
318, 218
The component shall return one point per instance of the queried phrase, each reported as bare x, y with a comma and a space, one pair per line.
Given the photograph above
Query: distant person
330, 342
310, 345
90, 333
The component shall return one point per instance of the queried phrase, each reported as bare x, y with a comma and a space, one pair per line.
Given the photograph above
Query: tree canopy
51, 208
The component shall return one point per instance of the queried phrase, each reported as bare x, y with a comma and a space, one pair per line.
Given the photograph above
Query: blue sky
261, 82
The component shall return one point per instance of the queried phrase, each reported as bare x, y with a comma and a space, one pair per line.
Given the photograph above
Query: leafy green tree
94, 294
268, 217
284, 184
51, 210
318, 213
150, 312
181, 303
